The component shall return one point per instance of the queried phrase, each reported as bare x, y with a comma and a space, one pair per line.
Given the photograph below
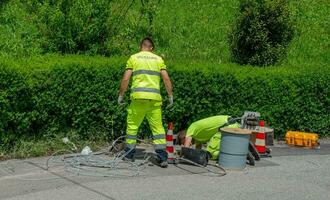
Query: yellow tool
296, 138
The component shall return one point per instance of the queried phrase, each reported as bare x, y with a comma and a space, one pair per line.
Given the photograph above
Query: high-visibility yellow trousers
213, 145
137, 111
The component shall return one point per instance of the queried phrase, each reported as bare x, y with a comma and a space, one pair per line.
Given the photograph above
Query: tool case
198, 156
296, 138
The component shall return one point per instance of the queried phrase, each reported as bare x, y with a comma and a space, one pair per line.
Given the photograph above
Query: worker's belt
148, 72
142, 89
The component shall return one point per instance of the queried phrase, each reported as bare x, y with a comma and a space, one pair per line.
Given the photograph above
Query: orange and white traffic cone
261, 138
169, 143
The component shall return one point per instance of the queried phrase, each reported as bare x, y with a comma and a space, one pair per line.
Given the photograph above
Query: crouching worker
206, 131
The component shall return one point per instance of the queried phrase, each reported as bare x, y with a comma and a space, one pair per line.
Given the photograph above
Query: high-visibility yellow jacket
206, 130
203, 130
146, 68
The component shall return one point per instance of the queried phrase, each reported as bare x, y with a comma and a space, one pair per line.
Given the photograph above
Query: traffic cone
169, 143
261, 138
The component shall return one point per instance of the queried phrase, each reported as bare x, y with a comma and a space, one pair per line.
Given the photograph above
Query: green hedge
44, 97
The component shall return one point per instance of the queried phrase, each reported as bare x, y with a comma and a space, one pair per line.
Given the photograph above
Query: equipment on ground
234, 148
198, 156
269, 136
302, 139
249, 120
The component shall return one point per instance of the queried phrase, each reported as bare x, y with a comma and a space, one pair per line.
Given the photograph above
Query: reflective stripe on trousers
131, 141
159, 141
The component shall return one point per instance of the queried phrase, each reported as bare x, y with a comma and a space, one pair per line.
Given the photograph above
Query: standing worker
146, 69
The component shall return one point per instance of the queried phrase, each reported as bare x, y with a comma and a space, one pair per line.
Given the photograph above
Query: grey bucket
234, 148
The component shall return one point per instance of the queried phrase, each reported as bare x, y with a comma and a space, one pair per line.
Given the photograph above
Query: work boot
163, 164
160, 163
161, 159
250, 159
130, 153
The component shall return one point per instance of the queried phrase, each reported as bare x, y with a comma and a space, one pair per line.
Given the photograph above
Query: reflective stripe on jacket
146, 68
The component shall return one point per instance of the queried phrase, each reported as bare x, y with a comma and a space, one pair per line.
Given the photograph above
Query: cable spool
234, 148
169, 143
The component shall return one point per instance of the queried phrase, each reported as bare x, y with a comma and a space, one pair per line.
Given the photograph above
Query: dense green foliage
262, 32
62, 94
19, 36
182, 29
73, 26
79, 26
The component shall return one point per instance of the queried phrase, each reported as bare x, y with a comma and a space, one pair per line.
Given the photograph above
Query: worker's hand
121, 100
170, 99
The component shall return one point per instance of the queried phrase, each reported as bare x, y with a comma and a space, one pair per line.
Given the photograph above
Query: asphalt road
292, 173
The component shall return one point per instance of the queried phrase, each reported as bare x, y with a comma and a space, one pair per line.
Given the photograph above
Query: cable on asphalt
97, 164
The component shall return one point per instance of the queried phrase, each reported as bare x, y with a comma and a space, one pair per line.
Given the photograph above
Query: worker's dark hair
147, 41
180, 138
